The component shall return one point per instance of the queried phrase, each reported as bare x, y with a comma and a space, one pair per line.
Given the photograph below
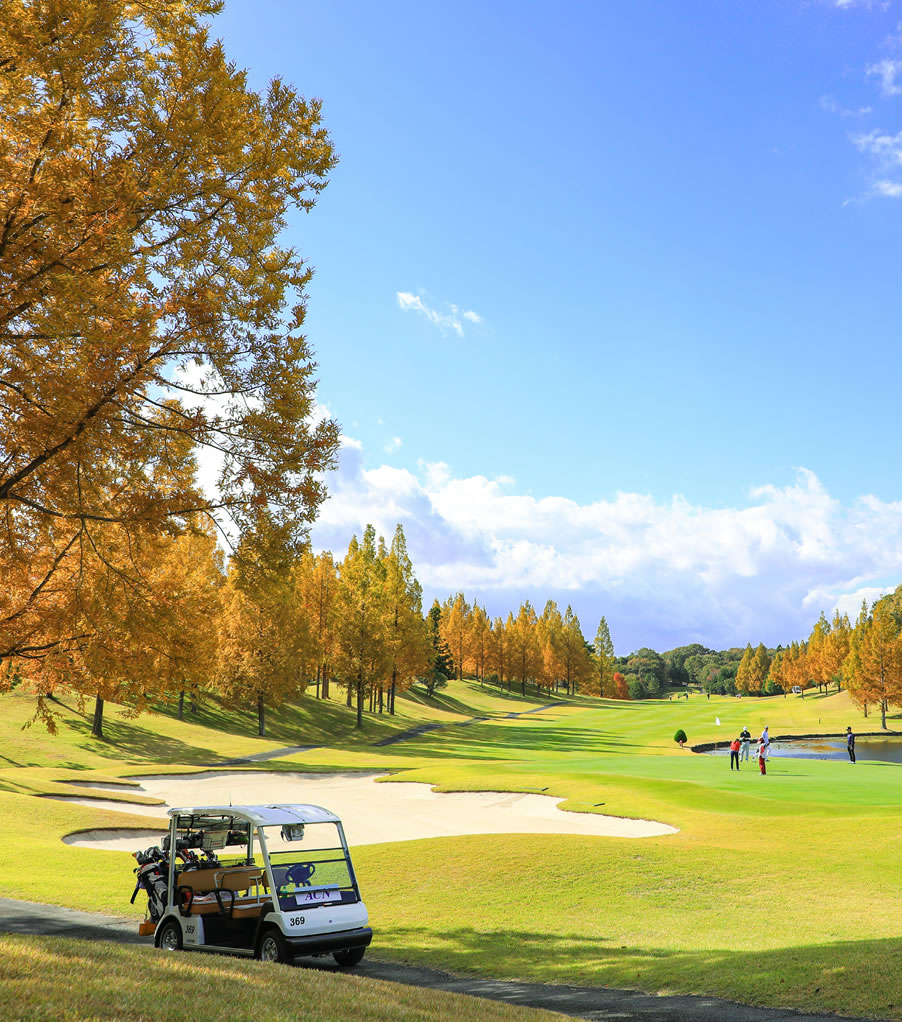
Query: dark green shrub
680, 738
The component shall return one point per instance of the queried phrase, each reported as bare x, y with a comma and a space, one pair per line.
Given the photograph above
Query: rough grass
784, 890
48, 979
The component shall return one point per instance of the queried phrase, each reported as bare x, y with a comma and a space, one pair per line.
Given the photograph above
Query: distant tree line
864, 658
546, 651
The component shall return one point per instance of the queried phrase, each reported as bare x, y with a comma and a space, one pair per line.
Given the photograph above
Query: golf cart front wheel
272, 946
350, 956
171, 936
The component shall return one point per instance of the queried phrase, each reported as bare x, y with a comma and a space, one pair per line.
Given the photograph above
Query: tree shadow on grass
492, 740
125, 739
848, 977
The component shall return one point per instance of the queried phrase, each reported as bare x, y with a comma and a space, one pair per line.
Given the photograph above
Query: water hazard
886, 750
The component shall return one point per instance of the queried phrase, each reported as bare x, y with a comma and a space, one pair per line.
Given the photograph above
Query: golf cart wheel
272, 946
170, 936
350, 956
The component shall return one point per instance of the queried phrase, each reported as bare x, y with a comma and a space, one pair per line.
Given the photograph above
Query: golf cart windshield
310, 865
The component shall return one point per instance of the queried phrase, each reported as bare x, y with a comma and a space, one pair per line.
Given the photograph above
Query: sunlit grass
45, 980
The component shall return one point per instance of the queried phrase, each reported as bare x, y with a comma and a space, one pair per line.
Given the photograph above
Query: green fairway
781, 890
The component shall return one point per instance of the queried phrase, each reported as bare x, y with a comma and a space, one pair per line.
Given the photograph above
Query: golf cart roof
262, 816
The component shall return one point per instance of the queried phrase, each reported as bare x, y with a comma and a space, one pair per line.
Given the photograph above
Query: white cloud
663, 573
885, 151
887, 71
832, 106
448, 320
868, 5
885, 148
393, 445
888, 189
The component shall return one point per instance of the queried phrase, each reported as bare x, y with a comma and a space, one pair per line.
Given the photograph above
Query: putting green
781, 890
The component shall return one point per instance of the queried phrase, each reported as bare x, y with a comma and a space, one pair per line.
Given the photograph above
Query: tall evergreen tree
441, 665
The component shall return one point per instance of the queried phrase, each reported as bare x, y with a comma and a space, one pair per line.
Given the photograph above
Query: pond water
886, 750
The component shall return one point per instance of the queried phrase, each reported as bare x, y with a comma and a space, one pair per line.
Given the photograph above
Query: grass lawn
781, 890
129, 984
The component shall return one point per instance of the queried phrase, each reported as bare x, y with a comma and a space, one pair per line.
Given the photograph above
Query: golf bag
153, 877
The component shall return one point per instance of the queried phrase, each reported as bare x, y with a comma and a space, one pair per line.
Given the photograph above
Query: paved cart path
27, 917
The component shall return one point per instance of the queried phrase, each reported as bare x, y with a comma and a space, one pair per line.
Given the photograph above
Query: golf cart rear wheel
272, 946
171, 936
350, 956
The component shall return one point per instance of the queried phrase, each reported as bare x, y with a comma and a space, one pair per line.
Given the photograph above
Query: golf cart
273, 882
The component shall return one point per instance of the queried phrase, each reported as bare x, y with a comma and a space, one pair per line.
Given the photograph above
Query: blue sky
607, 298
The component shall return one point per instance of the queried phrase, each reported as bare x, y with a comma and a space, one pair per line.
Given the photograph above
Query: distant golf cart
273, 882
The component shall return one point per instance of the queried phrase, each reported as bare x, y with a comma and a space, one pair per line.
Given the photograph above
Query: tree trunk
523, 687
97, 726
349, 694
181, 705
193, 706
381, 699
359, 702
883, 714
261, 721
391, 693
318, 671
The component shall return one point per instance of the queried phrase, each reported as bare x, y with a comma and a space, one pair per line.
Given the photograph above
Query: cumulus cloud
393, 445
450, 319
663, 573
888, 189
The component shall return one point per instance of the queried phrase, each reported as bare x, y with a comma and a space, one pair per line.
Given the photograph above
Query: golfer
765, 740
745, 742
734, 753
850, 744
762, 750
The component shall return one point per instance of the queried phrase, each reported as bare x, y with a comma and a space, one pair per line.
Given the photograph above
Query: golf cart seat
235, 891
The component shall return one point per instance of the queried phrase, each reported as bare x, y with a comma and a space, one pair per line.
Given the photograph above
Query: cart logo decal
317, 895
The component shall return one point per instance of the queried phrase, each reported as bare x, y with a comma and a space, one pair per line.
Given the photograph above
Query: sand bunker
371, 813
118, 840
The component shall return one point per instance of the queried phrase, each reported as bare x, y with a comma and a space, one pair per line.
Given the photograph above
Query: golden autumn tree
818, 652
775, 672
549, 635
743, 672
575, 654
406, 632
875, 660
316, 579
524, 646
147, 307
478, 640
264, 643
835, 649
758, 669
499, 652
186, 582
144, 633
363, 655
603, 684
455, 629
